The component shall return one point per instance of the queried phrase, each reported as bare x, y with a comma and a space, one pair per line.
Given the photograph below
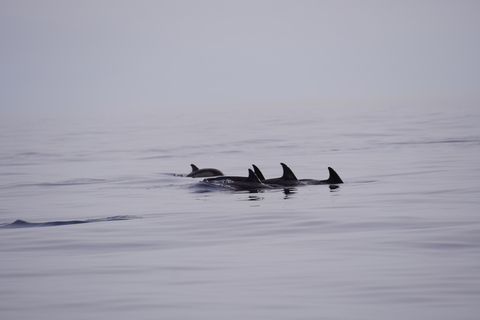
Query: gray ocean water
98, 222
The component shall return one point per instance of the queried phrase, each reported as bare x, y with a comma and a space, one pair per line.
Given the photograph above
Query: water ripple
25, 224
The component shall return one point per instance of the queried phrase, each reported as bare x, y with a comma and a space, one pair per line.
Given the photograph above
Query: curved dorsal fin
334, 177
194, 167
258, 173
252, 177
288, 173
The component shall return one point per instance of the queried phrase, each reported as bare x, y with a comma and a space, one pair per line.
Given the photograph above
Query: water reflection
254, 198
334, 187
289, 192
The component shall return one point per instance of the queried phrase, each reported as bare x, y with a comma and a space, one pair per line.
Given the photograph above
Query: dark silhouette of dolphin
239, 183
289, 179
207, 172
224, 178
333, 178
258, 172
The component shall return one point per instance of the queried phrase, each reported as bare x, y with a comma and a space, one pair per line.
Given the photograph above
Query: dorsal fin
288, 173
194, 167
258, 173
252, 177
334, 177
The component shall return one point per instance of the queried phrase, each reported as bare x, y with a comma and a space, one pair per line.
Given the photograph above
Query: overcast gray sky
161, 54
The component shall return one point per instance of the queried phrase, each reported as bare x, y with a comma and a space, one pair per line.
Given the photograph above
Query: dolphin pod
289, 179
256, 180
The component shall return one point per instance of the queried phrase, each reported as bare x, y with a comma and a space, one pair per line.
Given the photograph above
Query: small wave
474, 140
25, 224
73, 182
176, 174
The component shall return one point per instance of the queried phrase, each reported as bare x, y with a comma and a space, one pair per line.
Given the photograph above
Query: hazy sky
163, 54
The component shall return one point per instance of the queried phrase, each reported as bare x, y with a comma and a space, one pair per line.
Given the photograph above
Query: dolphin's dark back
258, 172
287, 179
207, 172
238, 183
288, 173
252, 177
334, 177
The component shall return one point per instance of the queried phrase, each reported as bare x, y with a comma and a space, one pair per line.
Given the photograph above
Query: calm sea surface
111, 229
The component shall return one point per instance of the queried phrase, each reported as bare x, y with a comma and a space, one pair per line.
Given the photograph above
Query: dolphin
207, 172
289, 178
333, 178
226, 178
249, 183
258, 172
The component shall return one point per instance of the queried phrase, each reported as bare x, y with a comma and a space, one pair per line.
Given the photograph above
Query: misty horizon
112, 55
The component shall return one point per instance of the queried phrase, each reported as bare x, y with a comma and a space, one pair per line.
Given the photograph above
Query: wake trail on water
25, 224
